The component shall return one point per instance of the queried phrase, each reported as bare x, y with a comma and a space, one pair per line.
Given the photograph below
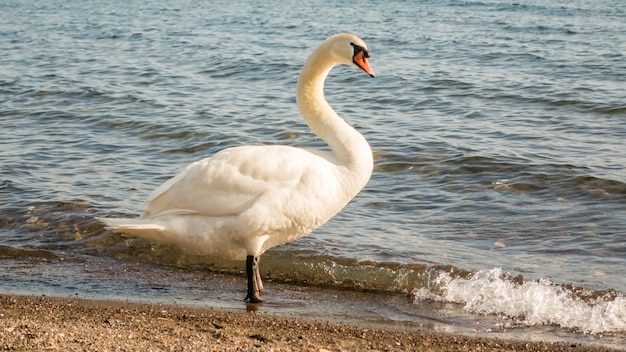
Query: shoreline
78, 324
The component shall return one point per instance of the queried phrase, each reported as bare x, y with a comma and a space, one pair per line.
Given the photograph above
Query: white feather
244, 200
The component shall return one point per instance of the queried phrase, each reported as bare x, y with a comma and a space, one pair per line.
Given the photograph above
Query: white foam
529, 303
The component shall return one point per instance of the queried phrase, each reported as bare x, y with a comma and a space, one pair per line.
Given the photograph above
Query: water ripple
497, 129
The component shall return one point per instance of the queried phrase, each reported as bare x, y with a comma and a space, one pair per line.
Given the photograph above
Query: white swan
244, 200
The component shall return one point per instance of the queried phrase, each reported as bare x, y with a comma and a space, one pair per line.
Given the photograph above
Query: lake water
498, 131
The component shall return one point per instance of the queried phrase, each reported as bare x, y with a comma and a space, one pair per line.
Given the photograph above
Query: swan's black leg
257, 274
254, 280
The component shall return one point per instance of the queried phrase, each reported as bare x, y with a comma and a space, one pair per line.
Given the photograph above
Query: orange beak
361, 61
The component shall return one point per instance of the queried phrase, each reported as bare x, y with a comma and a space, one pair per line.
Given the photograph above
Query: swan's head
351, 50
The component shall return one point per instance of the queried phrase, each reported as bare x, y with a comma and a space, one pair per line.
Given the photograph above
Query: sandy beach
45, 323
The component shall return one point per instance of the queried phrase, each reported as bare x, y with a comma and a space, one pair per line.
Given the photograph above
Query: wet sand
45, 323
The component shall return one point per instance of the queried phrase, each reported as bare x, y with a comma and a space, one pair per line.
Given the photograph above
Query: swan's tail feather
193, 234
144, 228
130, 225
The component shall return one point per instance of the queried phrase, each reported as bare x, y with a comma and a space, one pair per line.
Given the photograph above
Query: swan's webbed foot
254, 298
255, 285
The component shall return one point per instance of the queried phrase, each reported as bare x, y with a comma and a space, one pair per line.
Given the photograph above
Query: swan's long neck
348, 146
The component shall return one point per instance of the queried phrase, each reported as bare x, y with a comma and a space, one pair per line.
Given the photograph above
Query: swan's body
244, 200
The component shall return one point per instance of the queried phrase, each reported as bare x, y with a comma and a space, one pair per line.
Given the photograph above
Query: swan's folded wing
230, 182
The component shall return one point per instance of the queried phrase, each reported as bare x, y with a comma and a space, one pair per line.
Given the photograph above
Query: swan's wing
229, 182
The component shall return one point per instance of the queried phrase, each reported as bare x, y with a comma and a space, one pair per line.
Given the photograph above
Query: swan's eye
358, 49
359, 58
